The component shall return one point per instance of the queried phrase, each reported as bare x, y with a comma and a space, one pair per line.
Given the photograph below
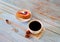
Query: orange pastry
24, 14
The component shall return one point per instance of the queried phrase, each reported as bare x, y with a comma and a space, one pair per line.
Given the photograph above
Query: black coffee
35, 26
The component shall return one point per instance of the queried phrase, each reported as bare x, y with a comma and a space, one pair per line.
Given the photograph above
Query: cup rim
38, 21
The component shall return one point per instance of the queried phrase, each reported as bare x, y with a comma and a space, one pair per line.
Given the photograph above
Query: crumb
15, 29
28, 33
7, 21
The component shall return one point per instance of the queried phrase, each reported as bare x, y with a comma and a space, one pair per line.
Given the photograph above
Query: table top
50, 20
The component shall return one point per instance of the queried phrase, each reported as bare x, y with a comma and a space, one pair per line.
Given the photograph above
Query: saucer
39, 35
23, 20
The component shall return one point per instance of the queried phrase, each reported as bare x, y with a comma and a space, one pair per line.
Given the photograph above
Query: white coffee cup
36, 24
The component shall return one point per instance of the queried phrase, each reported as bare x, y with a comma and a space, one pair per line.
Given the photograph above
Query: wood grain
52, 32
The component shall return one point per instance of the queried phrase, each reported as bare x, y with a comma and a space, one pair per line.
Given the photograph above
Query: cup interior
35, 25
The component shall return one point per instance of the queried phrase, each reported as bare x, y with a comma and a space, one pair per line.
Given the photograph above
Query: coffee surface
35, 26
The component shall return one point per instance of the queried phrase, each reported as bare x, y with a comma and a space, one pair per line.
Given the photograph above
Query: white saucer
24, 20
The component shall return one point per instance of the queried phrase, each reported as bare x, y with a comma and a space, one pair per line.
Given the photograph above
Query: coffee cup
35, 26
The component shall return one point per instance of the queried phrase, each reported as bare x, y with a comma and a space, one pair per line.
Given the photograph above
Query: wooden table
41, 10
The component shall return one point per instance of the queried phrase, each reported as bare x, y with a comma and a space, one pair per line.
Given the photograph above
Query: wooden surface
47, 12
